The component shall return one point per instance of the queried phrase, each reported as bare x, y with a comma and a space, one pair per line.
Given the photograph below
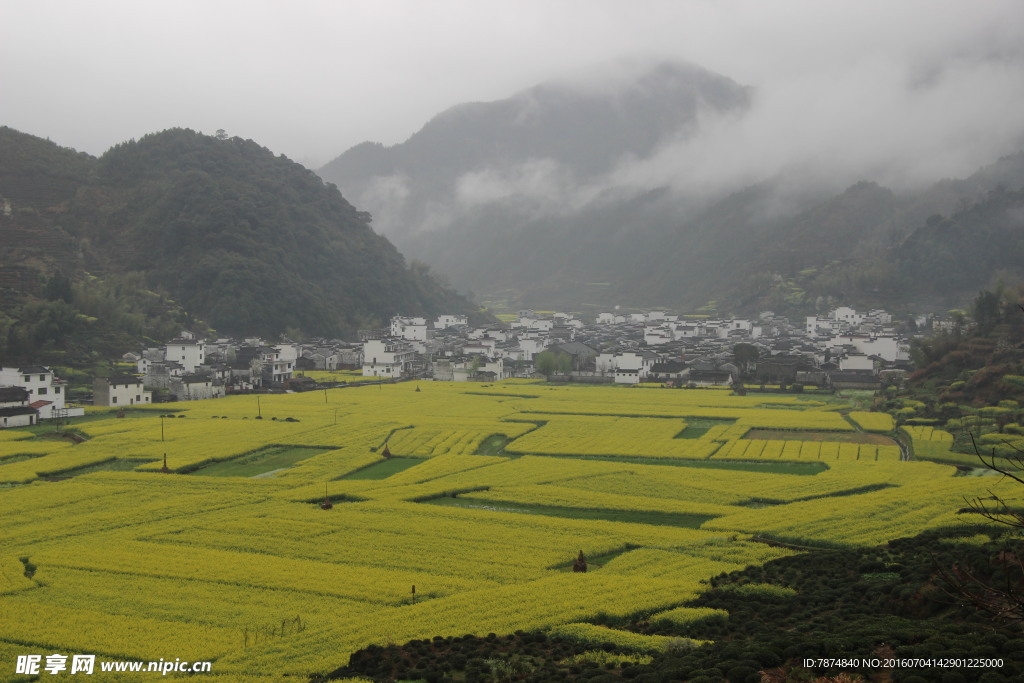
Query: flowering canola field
102, 553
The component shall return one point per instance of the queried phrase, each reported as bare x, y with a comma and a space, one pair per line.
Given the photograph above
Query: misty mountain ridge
578, 193
533, 149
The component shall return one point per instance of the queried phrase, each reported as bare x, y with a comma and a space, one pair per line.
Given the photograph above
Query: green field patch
757, 503
696, 427
19, 457
112, 465
689, 521
768, 502
800, 435
260, 461
493, 445
384, 468
768, 467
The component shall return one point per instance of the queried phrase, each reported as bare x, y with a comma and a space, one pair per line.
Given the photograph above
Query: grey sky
310, 78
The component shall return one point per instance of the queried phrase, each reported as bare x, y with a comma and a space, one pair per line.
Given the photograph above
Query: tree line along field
230, 557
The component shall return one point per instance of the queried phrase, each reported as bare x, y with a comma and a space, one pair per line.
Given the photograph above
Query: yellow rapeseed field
470, 527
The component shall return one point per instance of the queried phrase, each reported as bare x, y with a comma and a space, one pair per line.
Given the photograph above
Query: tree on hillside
987, 308
997, 589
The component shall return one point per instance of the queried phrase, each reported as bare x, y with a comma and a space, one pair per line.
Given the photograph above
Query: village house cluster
190, 369
32, 393
844, 348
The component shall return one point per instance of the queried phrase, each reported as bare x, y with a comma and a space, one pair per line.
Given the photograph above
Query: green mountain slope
246, 241
933, 249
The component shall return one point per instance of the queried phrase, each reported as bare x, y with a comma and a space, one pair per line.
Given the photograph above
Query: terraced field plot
141, 564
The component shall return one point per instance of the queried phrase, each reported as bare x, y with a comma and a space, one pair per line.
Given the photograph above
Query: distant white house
485, 346
448, 320
856, 361
199, 387
47, 393
277, 363
847, 315
410, 329
627, 367
533, 322
886, 347
120, 392
191, 353
387, 357
655, 335
14, 408
466, 369
323, 358
532, 345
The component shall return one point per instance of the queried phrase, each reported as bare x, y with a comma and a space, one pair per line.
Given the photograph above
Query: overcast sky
310, 78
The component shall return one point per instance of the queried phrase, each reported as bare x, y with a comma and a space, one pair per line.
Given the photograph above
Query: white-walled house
119, 392
46, 392
277, 364
856, 361
485, 346
627, 376
880, 316
495, 367
191, 353
15, 410
465, 369
287, 352
886, 347
534, 323
448, 320
410, 329
322, 358
199, 387
655, 335
387, 357
847, 315
628, 367
604, 363
532, 345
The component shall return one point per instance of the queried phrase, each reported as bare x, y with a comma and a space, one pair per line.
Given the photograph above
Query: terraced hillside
426, 535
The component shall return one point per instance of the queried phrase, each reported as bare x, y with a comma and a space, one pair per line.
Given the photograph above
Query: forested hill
218, 229
929, 250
